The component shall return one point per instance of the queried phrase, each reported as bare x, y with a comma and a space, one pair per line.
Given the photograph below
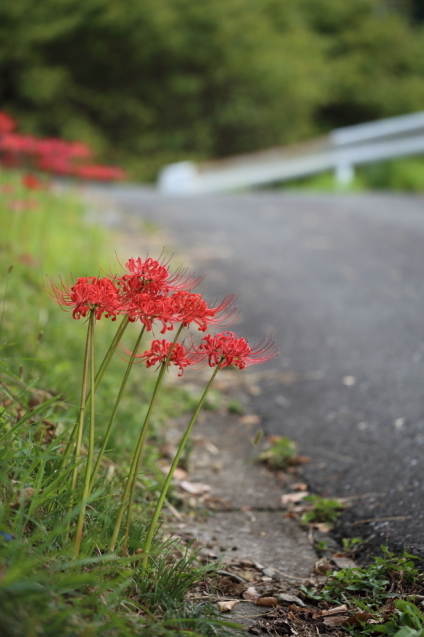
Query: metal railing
342, 150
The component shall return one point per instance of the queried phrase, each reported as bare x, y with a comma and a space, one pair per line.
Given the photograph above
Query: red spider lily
226, 349
18, 144
192, 308
159, 351
89, 293
153, 277
7, 123
149, 308
32, 182
99, 172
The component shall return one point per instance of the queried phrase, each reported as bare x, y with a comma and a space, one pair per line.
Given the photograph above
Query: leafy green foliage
369, 586
408, 622
44, 590
281, 454
325, 510
150, 82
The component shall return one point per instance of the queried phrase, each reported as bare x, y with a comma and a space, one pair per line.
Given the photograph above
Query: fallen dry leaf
335, 621
249, 576
322, 527
195, 488
322, 566
285, 598
359, 617
344, 562
266, 601
179, 474
300, 486
292, 498
251, 594
330, 611
217, 504
226, 607
250, 419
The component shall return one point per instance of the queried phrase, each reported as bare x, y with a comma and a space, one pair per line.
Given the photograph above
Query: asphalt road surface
339, 282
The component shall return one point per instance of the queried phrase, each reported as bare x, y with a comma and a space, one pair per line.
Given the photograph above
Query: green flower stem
89, 464
78, 429
100, 373
109, 354
115, 408
163, 494
132, 476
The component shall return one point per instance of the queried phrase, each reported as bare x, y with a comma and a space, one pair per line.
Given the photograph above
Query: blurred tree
151, 81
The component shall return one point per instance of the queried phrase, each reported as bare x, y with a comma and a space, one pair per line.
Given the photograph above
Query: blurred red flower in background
7, 123
51, 155
32, 182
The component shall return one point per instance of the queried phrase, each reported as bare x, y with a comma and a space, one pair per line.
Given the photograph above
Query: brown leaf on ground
217, 504
292, 498
179, 474
251, 594
343, 562
286, 598
300, 486
250, 419
337, 620
249, 576
330, 611
322, 566
359, 617
226, 607
322, 527
266, 601
195, 488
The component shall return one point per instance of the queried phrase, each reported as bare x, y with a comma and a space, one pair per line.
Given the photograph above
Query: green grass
325, 510
44, 590
404, 175
380, 597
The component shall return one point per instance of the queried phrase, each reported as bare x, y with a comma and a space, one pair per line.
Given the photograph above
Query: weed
370, 584
321, 546
281, 454
351, 544
235, 407
44, 590
323, 510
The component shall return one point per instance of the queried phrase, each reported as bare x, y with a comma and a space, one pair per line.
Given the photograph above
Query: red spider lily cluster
50, 155
147, 292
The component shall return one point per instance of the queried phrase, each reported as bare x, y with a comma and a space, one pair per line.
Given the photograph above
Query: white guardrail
341, 151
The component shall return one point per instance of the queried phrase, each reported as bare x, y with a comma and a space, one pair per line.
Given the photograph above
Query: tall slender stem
100, 373
115, 408
89, 464
80, 424
109, 354
9, 270
128, 494
159, 505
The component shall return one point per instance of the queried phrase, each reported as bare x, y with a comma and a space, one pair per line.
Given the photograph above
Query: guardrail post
344, 174
180, 178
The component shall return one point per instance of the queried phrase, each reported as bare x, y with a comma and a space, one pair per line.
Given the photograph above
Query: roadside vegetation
404, 175
382, 598
82, 551
44, 588
147, 83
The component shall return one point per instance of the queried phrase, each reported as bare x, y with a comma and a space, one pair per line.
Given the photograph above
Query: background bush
152, 81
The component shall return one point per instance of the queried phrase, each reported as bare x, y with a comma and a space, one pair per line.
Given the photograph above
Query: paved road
339, 281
